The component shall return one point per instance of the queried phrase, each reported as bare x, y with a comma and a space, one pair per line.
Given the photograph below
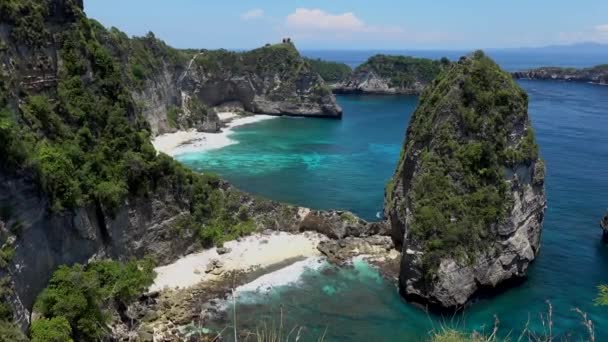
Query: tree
56, 329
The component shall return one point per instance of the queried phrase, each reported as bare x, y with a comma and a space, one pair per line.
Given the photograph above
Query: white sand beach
255, 251
182, 142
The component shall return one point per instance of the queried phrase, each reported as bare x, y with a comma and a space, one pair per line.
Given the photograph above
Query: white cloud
315, 19
253, 14
317, 25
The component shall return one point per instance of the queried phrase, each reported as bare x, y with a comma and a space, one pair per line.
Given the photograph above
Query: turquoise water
318, 163
344, 164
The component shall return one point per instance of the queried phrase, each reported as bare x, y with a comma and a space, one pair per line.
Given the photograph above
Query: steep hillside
79, 178
467, 200
383, 74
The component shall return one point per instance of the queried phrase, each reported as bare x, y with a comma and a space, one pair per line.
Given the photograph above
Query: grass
454, 332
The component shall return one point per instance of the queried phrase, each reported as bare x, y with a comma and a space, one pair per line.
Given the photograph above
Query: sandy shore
182, 142
250, 253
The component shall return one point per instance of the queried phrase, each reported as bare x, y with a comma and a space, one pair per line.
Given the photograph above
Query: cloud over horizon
315, 25
314, 19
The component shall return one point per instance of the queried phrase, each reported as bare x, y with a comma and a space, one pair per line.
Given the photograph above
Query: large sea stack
467, 200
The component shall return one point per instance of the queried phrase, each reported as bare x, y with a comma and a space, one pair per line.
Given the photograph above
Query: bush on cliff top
462, 127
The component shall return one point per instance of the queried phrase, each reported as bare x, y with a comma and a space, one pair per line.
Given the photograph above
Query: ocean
345, 164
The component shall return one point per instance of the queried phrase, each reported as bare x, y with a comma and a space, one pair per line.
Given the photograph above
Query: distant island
381, 74
596, 75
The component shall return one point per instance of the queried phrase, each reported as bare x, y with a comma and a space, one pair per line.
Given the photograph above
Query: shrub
56, 329
10, 332
79, 294
56, 174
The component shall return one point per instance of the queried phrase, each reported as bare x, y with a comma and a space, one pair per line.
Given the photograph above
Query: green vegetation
11, 333
173, 115
602, 298
143, 56
331, 72
404, 71
27, 16
74, 304
56, 329
462, 127
87, 143
453, 335
348, 217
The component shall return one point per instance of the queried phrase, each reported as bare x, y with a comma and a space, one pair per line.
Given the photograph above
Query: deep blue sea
344, 164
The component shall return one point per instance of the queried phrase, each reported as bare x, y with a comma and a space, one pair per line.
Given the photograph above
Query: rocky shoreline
170, 313
391, 75
595, 75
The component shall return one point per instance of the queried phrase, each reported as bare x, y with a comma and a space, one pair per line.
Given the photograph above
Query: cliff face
179, 89
467, 200
596, 75
391, 75
270, 80
45, 240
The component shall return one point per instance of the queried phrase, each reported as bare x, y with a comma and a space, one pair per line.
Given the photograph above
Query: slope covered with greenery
403, 71
331, 72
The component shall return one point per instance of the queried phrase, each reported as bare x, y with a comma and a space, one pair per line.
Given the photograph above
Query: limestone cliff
466, 203
273, 79
180, 89
391, 75
595, 75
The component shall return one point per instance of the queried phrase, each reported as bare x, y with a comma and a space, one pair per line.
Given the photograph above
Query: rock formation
467, 201
391, 75
595, 75
184, 86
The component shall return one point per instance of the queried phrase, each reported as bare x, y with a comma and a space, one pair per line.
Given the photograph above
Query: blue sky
359, 24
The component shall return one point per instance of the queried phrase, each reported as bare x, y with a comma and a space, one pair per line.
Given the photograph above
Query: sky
359, 24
